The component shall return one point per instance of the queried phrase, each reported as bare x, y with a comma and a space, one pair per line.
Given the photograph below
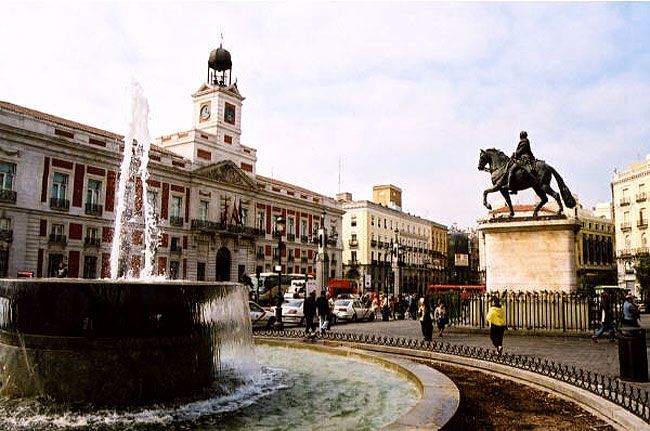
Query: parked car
292, 312
260, 317
352, 310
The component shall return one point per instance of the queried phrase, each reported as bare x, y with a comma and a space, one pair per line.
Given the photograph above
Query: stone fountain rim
439, 395
104, 281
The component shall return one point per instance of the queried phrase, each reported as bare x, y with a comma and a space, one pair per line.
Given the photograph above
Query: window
92, 232
59, 186
628, 242
58, 229
626, 217
353, 256
644, 240
152, 200
384, 223
90, 267
200, 271
353, 221
372, 220
261, 220
7, 172
174, 270
5, 224
4, 263
229, 113
175, 244
93, 192
243, 213
203, 210
303, 228
291, 226
642, 216
177, 204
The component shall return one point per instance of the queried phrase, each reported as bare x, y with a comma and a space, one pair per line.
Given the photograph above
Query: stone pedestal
527, 254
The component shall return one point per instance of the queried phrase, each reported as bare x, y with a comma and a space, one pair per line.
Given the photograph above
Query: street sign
367, 281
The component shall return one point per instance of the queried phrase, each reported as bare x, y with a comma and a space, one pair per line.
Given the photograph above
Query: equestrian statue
520, 172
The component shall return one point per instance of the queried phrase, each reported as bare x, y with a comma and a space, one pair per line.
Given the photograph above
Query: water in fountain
132, 191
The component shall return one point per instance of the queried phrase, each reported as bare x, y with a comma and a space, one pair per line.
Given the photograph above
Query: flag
235, 212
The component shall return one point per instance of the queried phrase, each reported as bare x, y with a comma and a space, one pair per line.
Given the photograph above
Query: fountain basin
117, 343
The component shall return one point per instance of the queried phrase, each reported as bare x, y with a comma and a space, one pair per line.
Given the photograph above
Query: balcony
642, 224
353, 262
304, 239
260, 255
353, 243
8, 196
624, 201
6, 235
59, 204
176, 248
304, 259
626, 227
291, 237
641, 197
94, 209
290, 258
380, 244
373, 243
57, 239
90, 241
225, 228
175, 221
331, 241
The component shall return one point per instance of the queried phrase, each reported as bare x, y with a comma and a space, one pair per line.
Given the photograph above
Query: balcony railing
373, 243
225, 228
94, 209
260, 255
58, 239
304, 238
90, 241
353, 243
304, 260
331, 241
291, 237
6, 235
8, 196
175, 221
640, 197
373, 262
59, 204
626, 227
642, 224
290, 258
624, 201
353, 262
380, 244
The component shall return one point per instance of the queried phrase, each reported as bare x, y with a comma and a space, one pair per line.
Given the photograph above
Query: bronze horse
499, 165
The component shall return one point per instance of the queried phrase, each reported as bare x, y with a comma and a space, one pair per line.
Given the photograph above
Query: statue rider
522, 158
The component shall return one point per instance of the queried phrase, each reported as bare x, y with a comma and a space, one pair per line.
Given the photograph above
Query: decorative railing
304, 260
632, 398
94, 209
642, 224
225, 228
59, 204
176, 221
176, 248
373, 243
92, 241
58, 239
640, 197
7, 196
291, 237
624, 201
6, 235
260, 255
626, 226
542, 311
353, 243
304, 238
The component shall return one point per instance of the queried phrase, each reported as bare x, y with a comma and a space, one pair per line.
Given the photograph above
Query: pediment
226, 172
231, 89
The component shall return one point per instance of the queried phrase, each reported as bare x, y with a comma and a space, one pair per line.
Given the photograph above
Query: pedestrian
497, 318
606, 319
440, 317
62, 270
375, 306
630, 312
424, 316
323, 310
309, 310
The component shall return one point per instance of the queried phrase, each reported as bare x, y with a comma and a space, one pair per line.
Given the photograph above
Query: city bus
268, 284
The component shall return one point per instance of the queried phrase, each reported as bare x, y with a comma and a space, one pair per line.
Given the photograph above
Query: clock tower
218, 103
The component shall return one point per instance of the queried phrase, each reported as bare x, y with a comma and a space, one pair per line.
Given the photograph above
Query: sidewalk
572, 351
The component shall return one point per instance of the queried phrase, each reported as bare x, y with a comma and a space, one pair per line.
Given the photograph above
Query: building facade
216, 215
387, 249
630, 208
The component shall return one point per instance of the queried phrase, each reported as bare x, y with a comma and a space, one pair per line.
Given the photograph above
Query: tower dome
220, 59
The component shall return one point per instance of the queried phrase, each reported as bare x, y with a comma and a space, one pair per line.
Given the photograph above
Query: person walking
309, 310
497, 318
323, 310
606, 319
630, 312
424, 316
440, 317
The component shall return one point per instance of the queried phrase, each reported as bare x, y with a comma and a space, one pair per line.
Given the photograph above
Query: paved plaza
573, 351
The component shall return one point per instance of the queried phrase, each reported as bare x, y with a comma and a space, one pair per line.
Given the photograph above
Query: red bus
465, 290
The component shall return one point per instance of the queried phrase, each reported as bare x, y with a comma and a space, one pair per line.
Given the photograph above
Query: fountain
123, 341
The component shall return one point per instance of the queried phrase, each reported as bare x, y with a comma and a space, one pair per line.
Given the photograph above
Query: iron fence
630, 397
529, 310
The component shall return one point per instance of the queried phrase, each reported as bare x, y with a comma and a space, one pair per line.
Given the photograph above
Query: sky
371, 92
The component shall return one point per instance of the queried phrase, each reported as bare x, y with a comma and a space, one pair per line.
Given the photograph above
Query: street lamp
280, 225
385, 309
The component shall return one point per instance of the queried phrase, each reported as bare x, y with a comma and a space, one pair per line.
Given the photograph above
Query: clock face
205, 112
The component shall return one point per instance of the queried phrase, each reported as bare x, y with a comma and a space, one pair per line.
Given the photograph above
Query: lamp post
385, 307
396, 252
280, 224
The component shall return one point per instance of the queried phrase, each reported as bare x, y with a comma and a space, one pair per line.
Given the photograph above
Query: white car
292, 312
260, 318
352, 310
